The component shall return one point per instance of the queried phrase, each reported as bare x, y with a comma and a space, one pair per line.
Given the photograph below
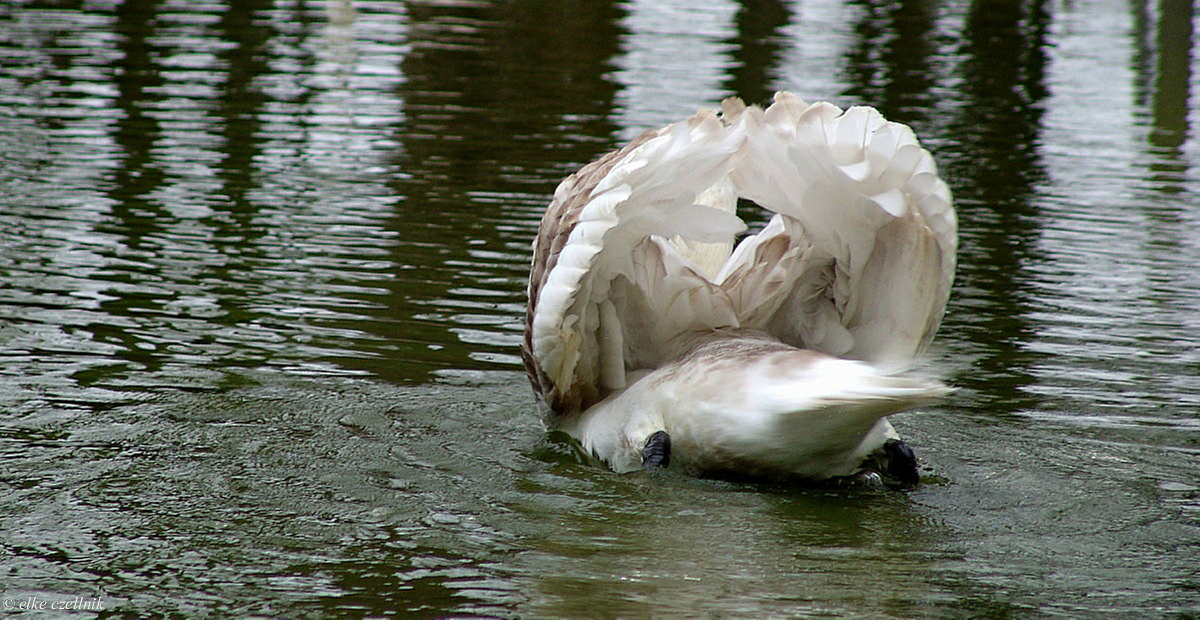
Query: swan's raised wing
857, 261
864, 238
609, 287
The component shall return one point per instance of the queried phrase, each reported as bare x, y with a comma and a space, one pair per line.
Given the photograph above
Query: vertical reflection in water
1163, 76
1143, 51
1162, 86
890, 67
57, 97
136, 131
233, 229
674, 60
818, 39
993, 166
241, 104
163, 247
213, 255
313, 270
500, 102
1171, 93
136, 214
757, 49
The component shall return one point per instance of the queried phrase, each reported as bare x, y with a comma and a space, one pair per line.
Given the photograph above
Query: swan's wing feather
608, 290
554, 232
863, 199
857, 261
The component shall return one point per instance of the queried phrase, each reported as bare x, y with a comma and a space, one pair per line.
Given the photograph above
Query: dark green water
262, 271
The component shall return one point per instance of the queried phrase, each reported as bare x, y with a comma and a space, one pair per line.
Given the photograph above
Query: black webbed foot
657, 453
901, 462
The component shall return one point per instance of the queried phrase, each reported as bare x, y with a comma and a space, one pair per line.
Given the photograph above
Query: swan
654, 340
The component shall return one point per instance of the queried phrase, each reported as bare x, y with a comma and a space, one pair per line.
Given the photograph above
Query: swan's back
636, 250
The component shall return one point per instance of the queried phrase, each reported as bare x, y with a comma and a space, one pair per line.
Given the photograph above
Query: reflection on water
481, 109
262, 271
996, 167
1168, 92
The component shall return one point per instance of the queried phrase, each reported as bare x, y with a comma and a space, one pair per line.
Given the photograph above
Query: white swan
652, 340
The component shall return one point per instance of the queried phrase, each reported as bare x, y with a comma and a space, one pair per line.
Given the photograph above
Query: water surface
262, 271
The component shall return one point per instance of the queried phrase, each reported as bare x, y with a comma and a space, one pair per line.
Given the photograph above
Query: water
261, 286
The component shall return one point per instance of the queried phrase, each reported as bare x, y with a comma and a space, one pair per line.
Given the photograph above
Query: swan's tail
790, 412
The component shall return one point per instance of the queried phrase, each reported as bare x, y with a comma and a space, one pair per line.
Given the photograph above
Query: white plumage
780, 356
